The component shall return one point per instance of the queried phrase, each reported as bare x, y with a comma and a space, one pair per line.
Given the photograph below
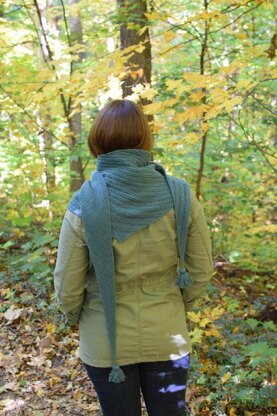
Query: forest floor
41, 374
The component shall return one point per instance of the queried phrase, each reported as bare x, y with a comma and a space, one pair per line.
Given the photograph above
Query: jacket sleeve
198, 255
71, 267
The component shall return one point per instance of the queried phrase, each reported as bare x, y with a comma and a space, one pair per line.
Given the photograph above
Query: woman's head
121, 124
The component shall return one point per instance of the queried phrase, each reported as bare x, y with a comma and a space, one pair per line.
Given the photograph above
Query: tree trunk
205, 133
138, 66
75, 122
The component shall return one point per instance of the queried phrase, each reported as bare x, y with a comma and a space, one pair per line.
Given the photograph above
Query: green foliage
239, 363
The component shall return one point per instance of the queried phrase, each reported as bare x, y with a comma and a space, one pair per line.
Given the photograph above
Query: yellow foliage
140, 48
233, 67
191, 138
74, 374
236, 330
246, 84
171, 102
230, 104
208, 15
141, 31
194, 317
77, 395
204, 322
267, 228
197, 96
191, 113
213, 111
214, 313
241, 36
54, 379
51, 328
196, 335
199, 81
18, 232
178, 85
204, 127
149, 93
217, 95
168, 36
226, 377
213, 332
152, 16
152, 108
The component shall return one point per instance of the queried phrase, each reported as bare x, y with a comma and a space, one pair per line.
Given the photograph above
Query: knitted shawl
126, 193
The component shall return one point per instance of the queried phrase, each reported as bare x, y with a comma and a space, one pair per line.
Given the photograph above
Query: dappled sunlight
172, 388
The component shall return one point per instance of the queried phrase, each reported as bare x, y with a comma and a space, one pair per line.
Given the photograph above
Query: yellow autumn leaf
140, 48
197, 96
77, 395
194, 317
39, 392
18, 232
236, 329
199, 80
241, 36
230, 104
51, 328
204, 127
152, 16
213, 332
213, 111
149, 93
152, 108
208, 15
215, 313
54, 380
172, 84
142, 30
233, 412
196, 335
204, 322
74, 374
171, 102
226, 377
191, 113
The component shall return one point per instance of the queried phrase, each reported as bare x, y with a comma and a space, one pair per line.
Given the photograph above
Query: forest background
204, 72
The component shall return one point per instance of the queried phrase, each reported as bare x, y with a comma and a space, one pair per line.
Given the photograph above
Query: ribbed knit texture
125, 194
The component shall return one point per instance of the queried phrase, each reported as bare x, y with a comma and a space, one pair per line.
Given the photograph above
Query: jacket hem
106, 364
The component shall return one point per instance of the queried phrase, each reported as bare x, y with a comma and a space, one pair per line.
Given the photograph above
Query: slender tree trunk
75, 122
203, 122
43, 118
138, 66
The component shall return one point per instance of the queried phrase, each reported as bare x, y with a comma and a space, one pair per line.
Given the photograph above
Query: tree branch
257, 145
237, 18
44, 33
67, 35
30, 116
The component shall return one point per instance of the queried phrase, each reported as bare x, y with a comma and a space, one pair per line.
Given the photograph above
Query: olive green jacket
150, 308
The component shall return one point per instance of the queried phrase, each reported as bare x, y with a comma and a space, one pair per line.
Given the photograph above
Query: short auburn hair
121, 124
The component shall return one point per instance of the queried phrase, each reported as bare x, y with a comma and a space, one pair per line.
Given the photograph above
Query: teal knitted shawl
126, 193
